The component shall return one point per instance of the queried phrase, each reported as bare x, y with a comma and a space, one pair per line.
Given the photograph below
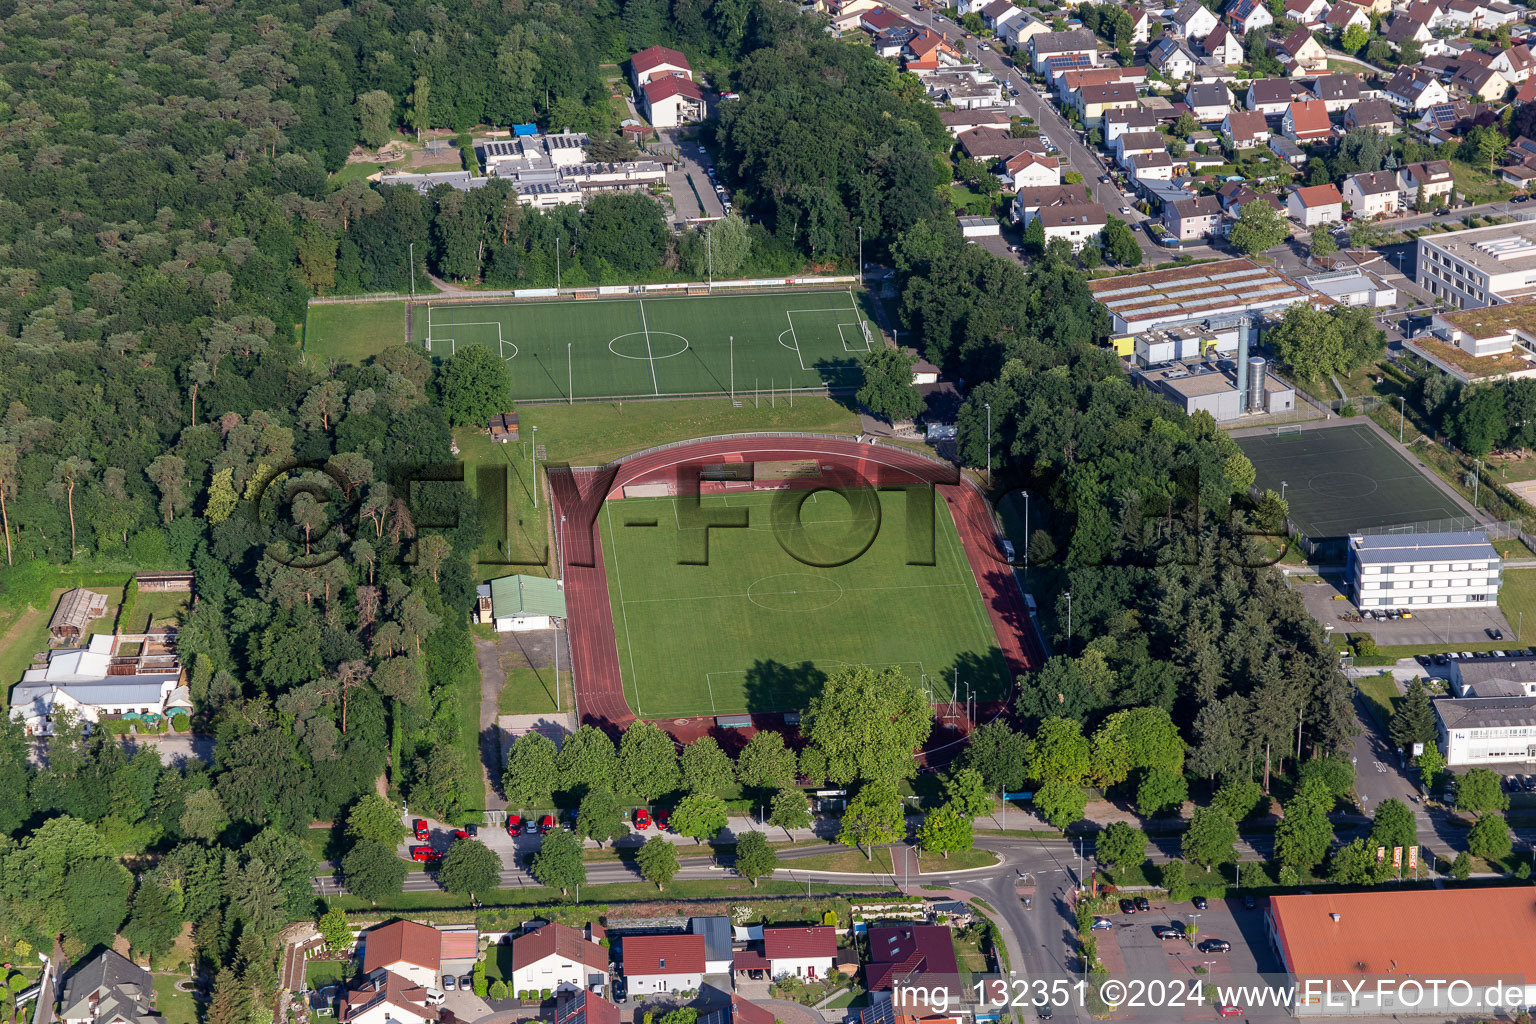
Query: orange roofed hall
1378, 949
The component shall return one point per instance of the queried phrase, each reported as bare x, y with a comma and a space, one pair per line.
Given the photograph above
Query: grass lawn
1517, 599
1381, 696
674, 346
587, 435
320, 973
852, 861
155, 609
516, 538
531, 691
176, 1007
758, 629
969, 201
323, 844
848, 999
958, 861
1205, 883
1475, 185
27, 635
968, 952
353, 331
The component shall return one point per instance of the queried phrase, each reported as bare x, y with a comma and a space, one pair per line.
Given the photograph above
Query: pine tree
1414, 721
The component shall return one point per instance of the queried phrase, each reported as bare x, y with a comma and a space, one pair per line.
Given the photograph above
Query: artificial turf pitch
681, 345
756, 629
1342, 479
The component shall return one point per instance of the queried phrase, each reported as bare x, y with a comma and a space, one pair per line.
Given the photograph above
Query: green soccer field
756, 629
682, 345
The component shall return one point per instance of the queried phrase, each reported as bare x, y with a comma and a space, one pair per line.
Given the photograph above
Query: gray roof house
717, 942
109, 989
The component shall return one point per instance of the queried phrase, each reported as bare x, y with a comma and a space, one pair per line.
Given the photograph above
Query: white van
435, 997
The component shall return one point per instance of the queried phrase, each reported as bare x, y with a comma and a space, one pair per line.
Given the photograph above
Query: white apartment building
1415, 571
1487, 730
1481, 266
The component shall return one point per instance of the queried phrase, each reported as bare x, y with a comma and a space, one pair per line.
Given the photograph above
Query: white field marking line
859, 345
798, 358
712, 709
952, 541
619, 579
655, 387
849, 590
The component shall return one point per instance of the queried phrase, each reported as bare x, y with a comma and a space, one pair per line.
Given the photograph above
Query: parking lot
1136, 946
1450, 626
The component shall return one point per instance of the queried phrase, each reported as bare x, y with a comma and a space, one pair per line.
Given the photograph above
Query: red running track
594, 651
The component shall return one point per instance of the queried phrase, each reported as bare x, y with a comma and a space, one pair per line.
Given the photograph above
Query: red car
547, 824
1229, 1011
459, 833
425, 854
420, 828
514, 825
663, 820
642, 819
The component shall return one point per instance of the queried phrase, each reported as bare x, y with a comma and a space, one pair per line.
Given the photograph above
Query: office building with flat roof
1424, 570
1479, 267
1487, 730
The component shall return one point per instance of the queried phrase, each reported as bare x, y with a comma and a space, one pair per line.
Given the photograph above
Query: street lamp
1402, 407
1282, 490
1069, 623
1477, 475
989, 442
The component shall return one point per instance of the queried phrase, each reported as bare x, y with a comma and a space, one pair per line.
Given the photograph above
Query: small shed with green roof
526, 602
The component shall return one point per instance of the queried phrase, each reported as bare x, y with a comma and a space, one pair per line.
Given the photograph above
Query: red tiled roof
585, 1008
387, 989
663, 954
403, 941
460, 944
658, 89
744, 1011
909, 951
1319, 195
557, 940
655, 57
798, 943
749, 960
1489, 932
1310, 119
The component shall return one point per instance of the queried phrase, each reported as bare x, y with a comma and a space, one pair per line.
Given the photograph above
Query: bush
181, 723
478, 980
1362, 643
1461, 867
544, 993
498, 989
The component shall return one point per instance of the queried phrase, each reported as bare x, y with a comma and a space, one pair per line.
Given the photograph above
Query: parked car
1422, 659
1043, 1009
425, 855
1494, 634
1127, 907
1215, 946
473, 830
1228, 1010
1101, 924
1249, 902
547, 824
467, 982
1167, 931
1143, 905
1441, 659
419, 829
1500, 654
664, 820
460, 833
642, 819
1201, 903
514, 825
448, 983
1465, 655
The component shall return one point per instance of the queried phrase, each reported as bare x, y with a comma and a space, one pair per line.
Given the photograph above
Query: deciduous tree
789, 809
868, 723
371, 870
1210, 838
1121, 845
699, 816
946, 829
558, 863
873, 816
765, 762
706, 768
755, 857
470, 867
888, 390
657, 861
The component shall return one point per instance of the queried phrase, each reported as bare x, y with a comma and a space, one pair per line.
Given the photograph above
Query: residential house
987, 145
929, 51
1430, 12
1522, 152
1244, 129
1318, 204
997, 13
1344, 16
1415, 89
1028, 170
557, 958
109, 989
1372, 193
1030, 201
1222, 46
658, 62
584, 1008
669, 102
1172, 58
1306, 122
77, 609
383, 997
1194, 20
1403, 29
1301, 53
1432, 176
1444, 122
662, 963
1190, 219
1307, 13
803, 952
1131, 144
100, 681
1157, 166
1091, 101
957, 121
1374, 114
1077, 223
1338, 92
1068, 83
880, 19
1017, 32
1072, 43
848, 17
737, 1011
911, 955
1234, 195
1118, 122
411, 950
1516, 64
1246, 15
1141, 25
1527, 92
893, 41
1482, 82
716, 929
1272, 97
1472, 15
1208, 101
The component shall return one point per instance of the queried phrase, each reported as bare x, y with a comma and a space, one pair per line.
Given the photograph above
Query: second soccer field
685, 345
